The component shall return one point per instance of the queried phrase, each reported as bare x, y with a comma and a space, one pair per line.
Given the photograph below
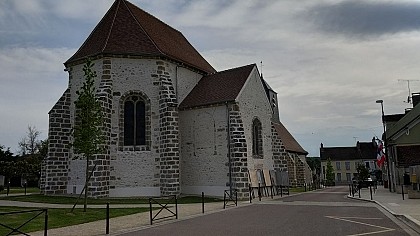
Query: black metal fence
230, 198
164, 204
14, 230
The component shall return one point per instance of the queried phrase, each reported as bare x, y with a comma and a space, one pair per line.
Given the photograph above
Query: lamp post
385, 145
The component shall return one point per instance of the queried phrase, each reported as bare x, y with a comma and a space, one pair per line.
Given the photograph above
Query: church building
172, 123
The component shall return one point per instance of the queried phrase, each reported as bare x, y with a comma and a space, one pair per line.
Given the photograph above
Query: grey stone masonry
54, 173
100, 180
279, 153
238, 152
169, 134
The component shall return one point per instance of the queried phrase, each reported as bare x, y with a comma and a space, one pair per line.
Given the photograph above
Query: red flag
380, 154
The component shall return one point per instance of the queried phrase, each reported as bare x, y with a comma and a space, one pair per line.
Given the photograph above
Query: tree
87, 131
330, 176
362, 172
30, 144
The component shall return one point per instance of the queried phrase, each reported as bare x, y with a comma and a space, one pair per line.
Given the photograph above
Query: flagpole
385, 145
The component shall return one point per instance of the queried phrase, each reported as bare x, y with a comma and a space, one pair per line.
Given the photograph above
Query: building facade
345, 160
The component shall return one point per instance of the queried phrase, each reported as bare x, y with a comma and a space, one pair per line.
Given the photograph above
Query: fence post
202, 202
150, 210
236, 197
402, 190
46, 222
176, 207
107, 218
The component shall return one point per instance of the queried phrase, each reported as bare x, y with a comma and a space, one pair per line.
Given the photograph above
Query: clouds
329, 60
366, 19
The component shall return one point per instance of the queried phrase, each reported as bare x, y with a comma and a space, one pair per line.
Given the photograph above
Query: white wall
253, 102
204, 151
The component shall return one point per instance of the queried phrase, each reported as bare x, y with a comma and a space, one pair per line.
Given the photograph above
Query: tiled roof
367, 150
339, 153
408, 155
362, 151
219, 87
128, 30
289, 142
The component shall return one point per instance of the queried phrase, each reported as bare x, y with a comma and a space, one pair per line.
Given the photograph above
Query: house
403, 145
172, 123
299, 171
345, 160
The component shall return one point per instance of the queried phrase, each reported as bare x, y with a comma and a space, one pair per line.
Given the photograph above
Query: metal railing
18, 229
231, 197
163, 203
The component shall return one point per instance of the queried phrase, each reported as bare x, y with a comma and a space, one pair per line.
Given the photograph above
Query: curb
407, 219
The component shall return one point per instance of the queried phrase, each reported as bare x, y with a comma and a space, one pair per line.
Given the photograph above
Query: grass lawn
20, 190
58, 217
71, 200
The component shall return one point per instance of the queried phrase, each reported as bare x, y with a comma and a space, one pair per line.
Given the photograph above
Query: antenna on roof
409, 100
261, 69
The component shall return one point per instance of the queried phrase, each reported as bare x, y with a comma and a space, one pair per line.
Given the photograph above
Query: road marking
394, 204
384, 229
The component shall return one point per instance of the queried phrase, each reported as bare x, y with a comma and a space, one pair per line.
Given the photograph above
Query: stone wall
54, 175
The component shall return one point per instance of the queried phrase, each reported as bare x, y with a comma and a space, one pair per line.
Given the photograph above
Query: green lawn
20, 190
71, 200
58, 217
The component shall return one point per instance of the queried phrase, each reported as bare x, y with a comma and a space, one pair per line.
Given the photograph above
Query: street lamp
385, 144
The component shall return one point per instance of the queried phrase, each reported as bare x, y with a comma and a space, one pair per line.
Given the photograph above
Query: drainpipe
228, 146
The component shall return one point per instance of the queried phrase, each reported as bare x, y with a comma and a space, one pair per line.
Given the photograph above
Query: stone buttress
169, 134
54, 173
238, 153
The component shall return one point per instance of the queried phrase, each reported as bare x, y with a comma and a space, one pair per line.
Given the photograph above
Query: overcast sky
329, 61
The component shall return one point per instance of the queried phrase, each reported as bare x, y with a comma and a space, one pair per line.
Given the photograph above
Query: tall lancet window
257, 142
134, 122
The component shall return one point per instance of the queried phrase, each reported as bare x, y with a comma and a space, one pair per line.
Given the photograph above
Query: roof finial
261, 69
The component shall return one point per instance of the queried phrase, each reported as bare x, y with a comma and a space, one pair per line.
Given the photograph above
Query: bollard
107, 218
359, 188
46, 222
349, 189
402, 190
202, 202
370, 187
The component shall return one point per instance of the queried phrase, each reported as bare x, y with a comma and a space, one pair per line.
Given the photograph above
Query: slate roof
128, 30
339, 153
363, 150
289, 142
217, 88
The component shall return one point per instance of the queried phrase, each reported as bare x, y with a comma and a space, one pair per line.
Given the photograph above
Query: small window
347, 165
338, 165
257, 142
134, 122
348, 177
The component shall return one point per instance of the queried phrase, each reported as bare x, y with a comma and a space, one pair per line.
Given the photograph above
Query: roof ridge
112, 26
230, 69
91, 33
138, 23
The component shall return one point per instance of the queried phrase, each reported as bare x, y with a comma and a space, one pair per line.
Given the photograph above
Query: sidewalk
407, 210
122, 224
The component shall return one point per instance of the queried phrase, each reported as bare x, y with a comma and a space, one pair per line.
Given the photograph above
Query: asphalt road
326, 212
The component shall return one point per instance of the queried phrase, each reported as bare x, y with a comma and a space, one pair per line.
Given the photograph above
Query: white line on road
384, 229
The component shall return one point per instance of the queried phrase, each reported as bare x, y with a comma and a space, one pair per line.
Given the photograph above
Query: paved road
326, 212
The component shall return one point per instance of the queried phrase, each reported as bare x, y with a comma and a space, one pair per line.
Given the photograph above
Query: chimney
416, 98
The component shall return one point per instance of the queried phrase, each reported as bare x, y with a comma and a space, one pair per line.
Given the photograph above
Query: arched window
134, 121
257, 145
